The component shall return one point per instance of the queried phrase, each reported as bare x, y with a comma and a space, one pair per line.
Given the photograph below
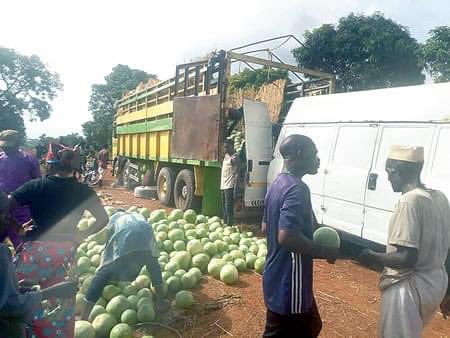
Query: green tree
364, 52
256, 78
26, 88
436, 54
98, 131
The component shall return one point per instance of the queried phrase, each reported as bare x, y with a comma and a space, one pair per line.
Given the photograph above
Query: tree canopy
436, 54
256, 78
98, 131
364, 52
26, 88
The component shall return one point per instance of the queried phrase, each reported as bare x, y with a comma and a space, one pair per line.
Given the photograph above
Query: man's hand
331, 254
445, 306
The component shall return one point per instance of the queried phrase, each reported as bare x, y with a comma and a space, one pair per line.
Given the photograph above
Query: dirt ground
346, 293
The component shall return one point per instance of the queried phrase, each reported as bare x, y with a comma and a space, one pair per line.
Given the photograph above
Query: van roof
422, 103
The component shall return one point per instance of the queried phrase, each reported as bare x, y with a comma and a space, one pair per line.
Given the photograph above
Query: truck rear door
258, 146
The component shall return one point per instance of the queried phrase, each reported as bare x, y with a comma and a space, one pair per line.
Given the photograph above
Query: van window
403, 135
354, 147
441, 163
322, 136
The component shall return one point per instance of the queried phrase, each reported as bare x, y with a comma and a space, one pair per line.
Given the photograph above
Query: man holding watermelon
289, 224
414, 280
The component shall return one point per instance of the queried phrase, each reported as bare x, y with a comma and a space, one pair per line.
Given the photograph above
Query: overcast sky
83, 40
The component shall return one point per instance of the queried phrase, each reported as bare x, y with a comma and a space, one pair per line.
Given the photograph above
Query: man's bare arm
403, 258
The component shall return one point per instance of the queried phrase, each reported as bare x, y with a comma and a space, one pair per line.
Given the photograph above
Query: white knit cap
406, 153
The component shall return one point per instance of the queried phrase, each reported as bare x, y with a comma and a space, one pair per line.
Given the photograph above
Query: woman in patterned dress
57, 203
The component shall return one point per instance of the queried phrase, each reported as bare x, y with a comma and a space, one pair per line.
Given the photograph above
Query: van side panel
380, 199
346, 178
439, 176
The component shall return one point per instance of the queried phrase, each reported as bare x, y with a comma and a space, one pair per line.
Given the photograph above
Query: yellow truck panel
164, 144
146, 113
142, 141
153, 145
134, 145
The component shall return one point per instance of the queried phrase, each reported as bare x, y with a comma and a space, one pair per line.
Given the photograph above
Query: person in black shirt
57, 203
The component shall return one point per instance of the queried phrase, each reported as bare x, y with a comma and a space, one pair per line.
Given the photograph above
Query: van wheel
165, 183
184, 191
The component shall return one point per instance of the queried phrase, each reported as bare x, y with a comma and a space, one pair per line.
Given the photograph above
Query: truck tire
164, 184
184, 191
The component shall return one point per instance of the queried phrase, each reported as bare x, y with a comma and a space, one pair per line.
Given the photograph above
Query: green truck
171, 132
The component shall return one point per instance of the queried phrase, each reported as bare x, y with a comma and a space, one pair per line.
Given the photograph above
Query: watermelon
196, 272
129, 317
103, 324
96, 310
144, 212
146, 313
130, 290
110, 291
142, 281
184, 299
175, 215
121, 330
84, 329
174, 284
183, 258
144, 300
200, 219
144, 292
250, 259
194, 247
190, 216
214, 267
176, 235
200, 261
133, 300
117, 305
179, 246
327, 237
229, 274
157, 215
240, 264
188, 280
259, 265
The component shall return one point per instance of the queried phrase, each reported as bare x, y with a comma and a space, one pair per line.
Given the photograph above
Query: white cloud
83, 40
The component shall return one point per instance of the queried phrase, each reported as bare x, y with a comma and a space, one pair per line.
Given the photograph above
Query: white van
353, 133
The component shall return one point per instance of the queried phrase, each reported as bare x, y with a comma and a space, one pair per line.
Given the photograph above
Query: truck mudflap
258, 146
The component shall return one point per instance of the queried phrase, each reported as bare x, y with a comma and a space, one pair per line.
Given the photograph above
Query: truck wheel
166, 180
184, 190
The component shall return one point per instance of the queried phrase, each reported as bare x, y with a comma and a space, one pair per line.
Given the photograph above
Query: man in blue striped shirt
289, 224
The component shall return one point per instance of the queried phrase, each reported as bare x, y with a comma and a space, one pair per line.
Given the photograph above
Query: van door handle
372, 184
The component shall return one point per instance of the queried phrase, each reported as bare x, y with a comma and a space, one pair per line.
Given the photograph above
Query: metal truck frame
172, 132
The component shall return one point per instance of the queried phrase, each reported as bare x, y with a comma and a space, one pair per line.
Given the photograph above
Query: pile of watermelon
190, 246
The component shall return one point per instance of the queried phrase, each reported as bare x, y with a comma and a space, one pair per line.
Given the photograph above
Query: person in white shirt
414, 280
228, 181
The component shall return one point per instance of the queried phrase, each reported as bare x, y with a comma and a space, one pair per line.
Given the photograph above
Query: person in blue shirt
289, 223
130, 245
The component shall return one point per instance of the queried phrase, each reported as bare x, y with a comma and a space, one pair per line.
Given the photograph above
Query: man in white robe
414, 280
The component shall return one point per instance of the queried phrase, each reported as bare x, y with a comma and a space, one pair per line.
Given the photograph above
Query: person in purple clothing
16, 168
289, 224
